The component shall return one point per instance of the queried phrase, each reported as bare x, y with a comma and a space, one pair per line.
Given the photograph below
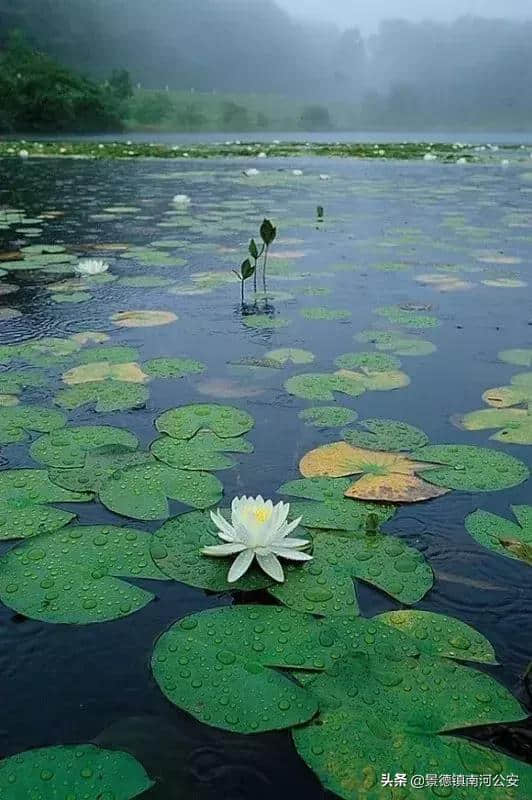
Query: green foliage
315, 117
38, 94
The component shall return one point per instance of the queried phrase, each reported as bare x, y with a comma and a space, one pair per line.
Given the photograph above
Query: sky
366, 14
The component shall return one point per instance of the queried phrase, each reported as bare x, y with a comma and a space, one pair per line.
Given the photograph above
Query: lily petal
240, 565
292, 555
223, 549
286, 529
289, 543
225, 530
271, 565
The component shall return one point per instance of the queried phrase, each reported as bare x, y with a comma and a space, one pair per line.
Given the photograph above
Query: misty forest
213, 58
265, 400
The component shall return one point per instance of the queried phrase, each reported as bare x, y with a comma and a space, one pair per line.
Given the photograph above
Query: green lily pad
368, 362
141, 492
328, 416
69, 447
397, 343
519, 357
71, 297
386, 434
225, 421
290, 355
317, 312
16, 422
173, 367
107, 395
14, 381
119, 354
233, 679
176, 549
20, 519
503, 536
150, 257
438, 635
30, 486
69, 772
333, 511
410, 319
320, 386
383, 715
523, 381
75, 575
516, 424
265, 321
471, 469
144, 282
324, 586
97, 468
205, 451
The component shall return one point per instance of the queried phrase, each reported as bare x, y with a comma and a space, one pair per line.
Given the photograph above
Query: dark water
63, 684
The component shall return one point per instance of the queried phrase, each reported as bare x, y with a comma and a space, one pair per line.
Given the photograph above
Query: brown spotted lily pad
389, 477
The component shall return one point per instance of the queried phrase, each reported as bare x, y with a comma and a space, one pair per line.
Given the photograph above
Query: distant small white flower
91, 266
277, 141
250, 173
23, 154
430, 157
185, 155
505, 162
262, 155
325, 177
101, 146
462, 161
258, 529
129, 143
297, 172
181, 200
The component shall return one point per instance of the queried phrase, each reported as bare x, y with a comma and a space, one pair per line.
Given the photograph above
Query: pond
396, 292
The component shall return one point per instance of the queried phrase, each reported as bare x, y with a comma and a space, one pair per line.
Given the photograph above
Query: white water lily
182, 200
250, 173
258, 529
91, 266
23, 154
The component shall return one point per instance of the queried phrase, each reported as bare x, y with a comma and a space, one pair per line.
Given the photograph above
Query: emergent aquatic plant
267, 234
246, 271
255, 254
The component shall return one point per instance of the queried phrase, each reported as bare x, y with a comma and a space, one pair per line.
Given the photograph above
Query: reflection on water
384, 226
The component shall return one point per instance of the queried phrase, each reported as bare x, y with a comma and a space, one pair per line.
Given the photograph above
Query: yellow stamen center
261, 515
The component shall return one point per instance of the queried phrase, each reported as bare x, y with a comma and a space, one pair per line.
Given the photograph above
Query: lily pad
233, 680
328, 416
378, 381
511, 539
316, 313
30, 486
105, 371
97, 468
438, 635
368, 362
324, 586
104, 395
141, 492
69, 447
73, 771
205, 451
173, 367
471, 469
144, 281
386, 476
118, 354
386, 434
410, 319
184, 422
383, 715
320, 386
176, 549
397, 343
17, 422
71, 297
75, 575
519, 357
333, 511
14, 381
290, 355
516, 424
143, 319
20, 520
